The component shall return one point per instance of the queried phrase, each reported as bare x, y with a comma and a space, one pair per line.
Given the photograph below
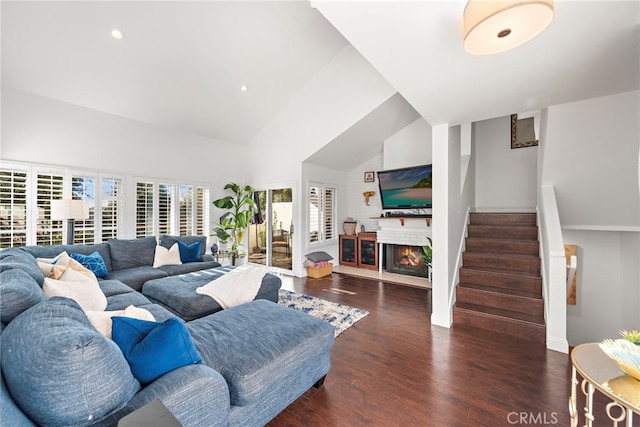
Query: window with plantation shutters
83, 187
202, 211
144, 209
48, 187
166, 211
321, 213
111, 205
13, 208
185, 212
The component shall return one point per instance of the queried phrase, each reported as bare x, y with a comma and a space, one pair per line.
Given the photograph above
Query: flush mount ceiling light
117, 33
494, 26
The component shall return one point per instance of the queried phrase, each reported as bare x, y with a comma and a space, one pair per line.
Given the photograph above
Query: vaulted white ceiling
182, 64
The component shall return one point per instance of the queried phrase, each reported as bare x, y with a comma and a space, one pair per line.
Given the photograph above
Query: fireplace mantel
412, 231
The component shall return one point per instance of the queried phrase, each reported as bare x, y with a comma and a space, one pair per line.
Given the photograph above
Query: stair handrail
554, 270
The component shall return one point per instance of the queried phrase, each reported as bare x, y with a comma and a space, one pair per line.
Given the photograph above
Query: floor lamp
70, 210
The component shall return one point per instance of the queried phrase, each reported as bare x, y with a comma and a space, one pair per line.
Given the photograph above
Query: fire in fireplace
404, 259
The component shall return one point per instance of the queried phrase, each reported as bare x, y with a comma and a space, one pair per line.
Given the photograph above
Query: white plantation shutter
186, 210
48, 187
111, 205
202, 211
328, 213
321, 214
144, 209
166, 211
83, 187
13, 207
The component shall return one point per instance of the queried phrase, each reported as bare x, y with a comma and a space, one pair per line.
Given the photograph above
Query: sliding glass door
270, 233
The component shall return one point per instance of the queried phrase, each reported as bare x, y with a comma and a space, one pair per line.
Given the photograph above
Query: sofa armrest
207, 257
196, 395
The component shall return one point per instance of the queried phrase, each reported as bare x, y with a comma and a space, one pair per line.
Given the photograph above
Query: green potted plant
234, 223
427, 256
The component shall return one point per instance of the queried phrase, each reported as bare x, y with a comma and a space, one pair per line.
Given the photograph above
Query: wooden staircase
500, 286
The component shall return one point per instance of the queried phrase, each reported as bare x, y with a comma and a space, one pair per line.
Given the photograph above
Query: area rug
340, 316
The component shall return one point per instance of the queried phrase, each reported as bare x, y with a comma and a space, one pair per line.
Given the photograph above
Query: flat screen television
406, 188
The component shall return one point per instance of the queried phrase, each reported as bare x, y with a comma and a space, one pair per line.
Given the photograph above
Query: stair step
508, 299
529, 282
504, 231
497, 261
521, 247
503, 321
503, 218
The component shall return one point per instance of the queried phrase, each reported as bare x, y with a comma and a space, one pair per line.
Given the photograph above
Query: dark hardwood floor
393, 368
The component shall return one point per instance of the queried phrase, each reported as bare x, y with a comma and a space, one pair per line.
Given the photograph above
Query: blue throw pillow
189, 253
93, 262
154, 348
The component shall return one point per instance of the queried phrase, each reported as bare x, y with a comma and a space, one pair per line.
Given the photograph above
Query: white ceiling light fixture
243, 88
494, 26
117, 34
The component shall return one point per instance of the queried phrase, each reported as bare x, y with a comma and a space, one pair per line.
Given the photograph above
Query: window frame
322, 219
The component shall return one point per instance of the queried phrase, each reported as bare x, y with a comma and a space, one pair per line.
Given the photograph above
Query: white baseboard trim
557, 344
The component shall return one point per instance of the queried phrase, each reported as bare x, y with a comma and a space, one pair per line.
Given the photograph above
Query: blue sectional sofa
253, 360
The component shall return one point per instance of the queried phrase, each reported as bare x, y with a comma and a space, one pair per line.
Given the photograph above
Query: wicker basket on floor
317, 272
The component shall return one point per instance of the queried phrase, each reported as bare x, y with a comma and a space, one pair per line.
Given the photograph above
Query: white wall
37, 129
505, 177
591, 158
410, 146
344, 92
357, 209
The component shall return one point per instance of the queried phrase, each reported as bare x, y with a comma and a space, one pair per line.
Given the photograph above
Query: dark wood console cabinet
359, 250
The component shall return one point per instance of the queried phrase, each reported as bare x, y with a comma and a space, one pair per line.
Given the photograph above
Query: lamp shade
494, 26
69, 209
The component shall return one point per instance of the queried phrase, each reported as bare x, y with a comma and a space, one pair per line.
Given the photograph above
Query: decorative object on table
214, 249
624, 352
369, 176
234, 223
349, 226
70, 210
340, 316
368, 195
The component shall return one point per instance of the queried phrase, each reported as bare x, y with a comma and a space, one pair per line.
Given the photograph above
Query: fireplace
405, 259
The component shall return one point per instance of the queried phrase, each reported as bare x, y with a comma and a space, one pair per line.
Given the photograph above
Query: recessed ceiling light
243, 88
117, 34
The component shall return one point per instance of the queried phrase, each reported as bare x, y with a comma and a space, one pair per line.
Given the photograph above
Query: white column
442, 314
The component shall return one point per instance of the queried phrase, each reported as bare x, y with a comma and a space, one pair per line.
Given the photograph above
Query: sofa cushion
167, 241
164, 256
14, 258
154, 348
178, 293
60, 370
319, 256
55, 250
18, 292
93, 262
189, 267
78, 287
136, 276
190, 252
101, 320
297, 352
132, 253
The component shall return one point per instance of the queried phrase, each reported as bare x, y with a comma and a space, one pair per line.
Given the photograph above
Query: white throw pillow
101, 320
46, 264
80, 288
164, 256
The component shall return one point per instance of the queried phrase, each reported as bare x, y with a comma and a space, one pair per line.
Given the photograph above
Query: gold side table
601, 373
